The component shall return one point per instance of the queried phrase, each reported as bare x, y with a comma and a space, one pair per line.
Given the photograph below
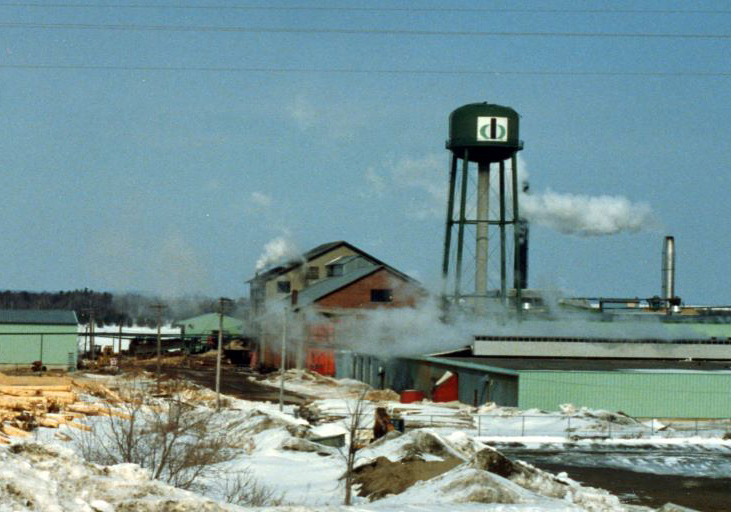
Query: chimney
668, 269
294, 297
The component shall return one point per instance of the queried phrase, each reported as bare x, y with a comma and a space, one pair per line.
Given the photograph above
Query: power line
375, 71
356, 31
362, 9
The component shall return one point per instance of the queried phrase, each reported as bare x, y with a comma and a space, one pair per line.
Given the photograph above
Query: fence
574, 426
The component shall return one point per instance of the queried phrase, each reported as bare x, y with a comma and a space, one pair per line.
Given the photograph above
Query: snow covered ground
282, 452
572, 436
108, 335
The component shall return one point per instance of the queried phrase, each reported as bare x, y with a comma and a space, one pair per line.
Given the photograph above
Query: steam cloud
573, 214
279, 250
585, 215
403, 332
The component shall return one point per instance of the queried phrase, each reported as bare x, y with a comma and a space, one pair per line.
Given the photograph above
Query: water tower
486, 135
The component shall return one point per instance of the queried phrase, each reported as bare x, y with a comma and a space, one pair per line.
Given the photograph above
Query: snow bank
43, 478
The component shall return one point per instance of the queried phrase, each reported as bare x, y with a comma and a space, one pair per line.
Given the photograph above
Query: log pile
25, 407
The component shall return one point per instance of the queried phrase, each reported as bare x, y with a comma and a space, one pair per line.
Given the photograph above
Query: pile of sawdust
382, 477
382, 395
164, 360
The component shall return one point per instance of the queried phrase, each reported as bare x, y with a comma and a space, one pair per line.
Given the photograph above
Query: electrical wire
357, 31
361, 9
375, 71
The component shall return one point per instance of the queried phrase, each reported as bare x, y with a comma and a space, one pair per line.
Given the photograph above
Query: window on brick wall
381, 295
283, 286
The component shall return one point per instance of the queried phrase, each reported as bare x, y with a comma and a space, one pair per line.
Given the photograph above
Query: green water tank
489, 133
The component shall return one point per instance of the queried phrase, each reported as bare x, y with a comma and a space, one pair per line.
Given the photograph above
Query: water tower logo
492, 129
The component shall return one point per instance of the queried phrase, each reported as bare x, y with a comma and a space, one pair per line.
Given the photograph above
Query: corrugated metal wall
55, 350
475, 386
644, 394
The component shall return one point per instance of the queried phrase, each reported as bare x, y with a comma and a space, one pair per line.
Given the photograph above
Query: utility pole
119, 347
90, 311
283, 361
158, 308
91, 332
222, 303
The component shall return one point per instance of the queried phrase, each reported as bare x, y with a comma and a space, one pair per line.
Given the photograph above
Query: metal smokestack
668, 268
520, 256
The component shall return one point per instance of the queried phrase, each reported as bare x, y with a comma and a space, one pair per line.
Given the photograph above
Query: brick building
348, 281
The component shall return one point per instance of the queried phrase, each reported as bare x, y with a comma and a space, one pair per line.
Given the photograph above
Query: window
313, 273
334, 270
381, 295
283, 286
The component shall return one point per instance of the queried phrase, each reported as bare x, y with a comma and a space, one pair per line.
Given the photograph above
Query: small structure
198, 329
46, 336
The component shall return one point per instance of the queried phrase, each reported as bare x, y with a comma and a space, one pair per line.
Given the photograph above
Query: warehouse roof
209, 322
38, 316
602, 365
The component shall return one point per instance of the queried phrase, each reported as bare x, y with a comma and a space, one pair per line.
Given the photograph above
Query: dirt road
234, 382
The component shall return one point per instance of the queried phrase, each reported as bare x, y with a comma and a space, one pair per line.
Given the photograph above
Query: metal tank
489, 132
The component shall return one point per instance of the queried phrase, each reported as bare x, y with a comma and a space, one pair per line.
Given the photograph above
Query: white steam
279, 250
585, 215
573, 214
403, 332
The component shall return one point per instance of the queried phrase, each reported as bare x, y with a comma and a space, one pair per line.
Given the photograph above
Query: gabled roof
319, 251
325, 287
38, 316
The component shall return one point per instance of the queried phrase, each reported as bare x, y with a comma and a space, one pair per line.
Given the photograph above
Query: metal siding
24, 348
503, 390
656, 394
471, 382
344, 365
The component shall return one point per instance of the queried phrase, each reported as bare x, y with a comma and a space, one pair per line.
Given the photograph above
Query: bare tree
176, 442
242, 488
357, 419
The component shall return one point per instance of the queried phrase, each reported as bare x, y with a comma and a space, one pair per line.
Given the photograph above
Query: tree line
121, 308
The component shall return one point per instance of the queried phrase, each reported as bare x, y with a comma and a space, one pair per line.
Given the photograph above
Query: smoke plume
403, 332
585, 215
279, 250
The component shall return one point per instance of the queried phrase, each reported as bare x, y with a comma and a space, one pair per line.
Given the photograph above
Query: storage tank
489, 132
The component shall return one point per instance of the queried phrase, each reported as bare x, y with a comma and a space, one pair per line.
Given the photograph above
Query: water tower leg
517, 279
449, 221
460, 230
481, 249
503, 269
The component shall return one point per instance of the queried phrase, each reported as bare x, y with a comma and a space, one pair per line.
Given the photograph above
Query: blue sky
173, 181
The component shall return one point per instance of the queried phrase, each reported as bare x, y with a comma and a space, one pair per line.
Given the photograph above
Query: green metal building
48, 336
639, 388
208, 324
197, 329
668, 393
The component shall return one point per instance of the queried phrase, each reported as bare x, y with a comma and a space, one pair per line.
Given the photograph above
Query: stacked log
25, 407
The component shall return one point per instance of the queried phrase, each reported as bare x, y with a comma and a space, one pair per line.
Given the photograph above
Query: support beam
460, 230
450, 217
503, 269
481, 241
